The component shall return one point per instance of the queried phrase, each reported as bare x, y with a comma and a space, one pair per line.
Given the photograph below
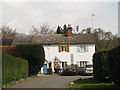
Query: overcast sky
24, 15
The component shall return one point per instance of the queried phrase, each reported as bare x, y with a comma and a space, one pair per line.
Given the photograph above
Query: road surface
48, 81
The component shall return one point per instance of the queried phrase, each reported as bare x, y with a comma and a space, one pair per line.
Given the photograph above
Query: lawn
90, 84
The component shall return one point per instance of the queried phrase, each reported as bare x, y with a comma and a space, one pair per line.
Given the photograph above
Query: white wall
52, 51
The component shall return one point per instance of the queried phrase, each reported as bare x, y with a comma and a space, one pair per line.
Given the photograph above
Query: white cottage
62, 49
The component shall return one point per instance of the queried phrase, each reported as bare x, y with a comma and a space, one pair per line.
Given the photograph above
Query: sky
23, 15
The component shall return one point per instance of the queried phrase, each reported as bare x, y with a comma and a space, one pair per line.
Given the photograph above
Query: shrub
35, 55
100, 65
8, 49
13, 68
114, 64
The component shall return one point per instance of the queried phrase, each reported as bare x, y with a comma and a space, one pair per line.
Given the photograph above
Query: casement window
63, 48
82, 48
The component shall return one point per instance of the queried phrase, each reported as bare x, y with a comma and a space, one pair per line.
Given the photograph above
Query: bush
13, 68
100, 65
35, 55
8, 49
114, 64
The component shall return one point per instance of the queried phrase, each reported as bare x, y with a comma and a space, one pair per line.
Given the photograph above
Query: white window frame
82, 48
64, 50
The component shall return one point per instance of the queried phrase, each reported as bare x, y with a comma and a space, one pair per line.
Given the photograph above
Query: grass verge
11, 83
90, 84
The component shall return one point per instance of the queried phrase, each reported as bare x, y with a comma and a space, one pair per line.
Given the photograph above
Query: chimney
69, 30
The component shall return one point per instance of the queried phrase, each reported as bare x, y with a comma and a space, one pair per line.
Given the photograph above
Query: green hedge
100, 65
106, 63
35, 55
114, 64
13, 68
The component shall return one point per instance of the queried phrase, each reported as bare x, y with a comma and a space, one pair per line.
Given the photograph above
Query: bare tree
43, 29
7, 35
7, 32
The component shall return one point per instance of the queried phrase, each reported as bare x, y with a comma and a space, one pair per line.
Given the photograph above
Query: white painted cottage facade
63, 49
74, 56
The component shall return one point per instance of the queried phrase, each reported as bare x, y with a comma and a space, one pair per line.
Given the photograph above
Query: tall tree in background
59, 30
77, 28
7, 32
87, 31
7, 35
43, 29
65, 30
103, 40
62, 31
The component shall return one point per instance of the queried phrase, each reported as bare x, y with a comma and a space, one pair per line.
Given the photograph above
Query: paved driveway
52, 81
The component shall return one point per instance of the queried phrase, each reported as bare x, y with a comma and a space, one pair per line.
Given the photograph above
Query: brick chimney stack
69, 30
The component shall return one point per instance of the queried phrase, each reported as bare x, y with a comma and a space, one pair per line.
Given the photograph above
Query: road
48, 81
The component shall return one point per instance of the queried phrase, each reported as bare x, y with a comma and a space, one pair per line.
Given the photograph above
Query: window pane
62, 48
86, 48
65, 48
82, 48
78, 48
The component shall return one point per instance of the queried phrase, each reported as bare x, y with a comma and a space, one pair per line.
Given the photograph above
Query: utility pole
92, 15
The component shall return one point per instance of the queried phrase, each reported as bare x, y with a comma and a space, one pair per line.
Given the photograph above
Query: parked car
87, 70
69, 70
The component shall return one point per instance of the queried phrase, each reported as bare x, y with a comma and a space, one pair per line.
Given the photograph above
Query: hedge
8, 49
114, 64
35, 55
106, 63
13, 68
100, 65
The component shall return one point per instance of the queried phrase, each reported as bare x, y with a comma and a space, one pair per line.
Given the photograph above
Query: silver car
88, 69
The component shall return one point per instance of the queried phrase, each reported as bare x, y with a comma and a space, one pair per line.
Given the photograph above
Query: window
82, 48
63, 48
64, 64
83, 63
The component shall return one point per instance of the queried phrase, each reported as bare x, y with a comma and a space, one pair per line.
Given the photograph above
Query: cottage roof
54, 39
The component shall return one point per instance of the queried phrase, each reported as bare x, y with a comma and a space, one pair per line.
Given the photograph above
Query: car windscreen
89, 66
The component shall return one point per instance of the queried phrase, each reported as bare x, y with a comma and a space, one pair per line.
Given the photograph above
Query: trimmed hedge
35, 55
13, 68
114, 64
100, 65
106, 63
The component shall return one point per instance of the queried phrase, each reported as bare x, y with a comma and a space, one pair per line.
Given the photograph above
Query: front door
45, 68
56, 63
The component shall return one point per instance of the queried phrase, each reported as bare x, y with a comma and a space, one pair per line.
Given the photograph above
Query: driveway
48, 81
